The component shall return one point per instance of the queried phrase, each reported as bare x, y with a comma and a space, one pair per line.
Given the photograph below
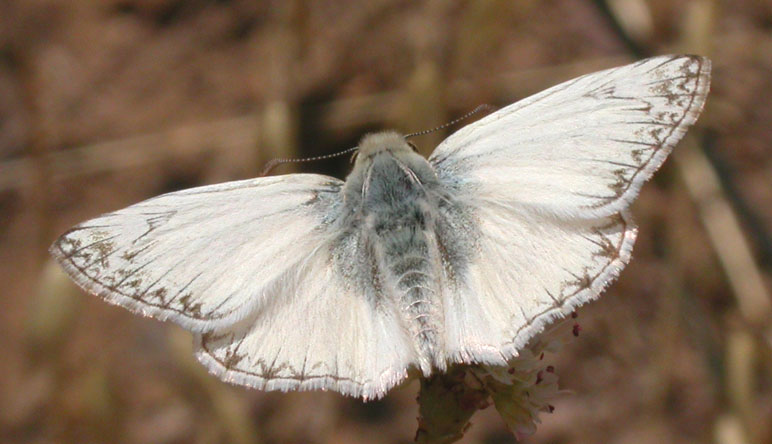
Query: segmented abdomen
407, 265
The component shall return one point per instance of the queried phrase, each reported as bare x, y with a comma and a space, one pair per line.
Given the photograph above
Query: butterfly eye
412, 145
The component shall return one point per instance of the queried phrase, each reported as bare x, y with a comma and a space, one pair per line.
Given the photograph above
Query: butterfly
412, 264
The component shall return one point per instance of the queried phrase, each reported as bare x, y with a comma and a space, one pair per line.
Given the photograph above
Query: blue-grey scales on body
409, 227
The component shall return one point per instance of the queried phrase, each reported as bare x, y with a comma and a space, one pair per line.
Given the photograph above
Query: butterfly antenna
453, 122
276, 162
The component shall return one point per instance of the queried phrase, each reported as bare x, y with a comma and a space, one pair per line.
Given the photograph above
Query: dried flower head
520, 391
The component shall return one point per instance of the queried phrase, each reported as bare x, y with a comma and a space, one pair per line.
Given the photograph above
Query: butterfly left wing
548, 182
258, 271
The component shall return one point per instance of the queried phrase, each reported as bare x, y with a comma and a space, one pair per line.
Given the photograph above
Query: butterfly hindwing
325, 335
526, 273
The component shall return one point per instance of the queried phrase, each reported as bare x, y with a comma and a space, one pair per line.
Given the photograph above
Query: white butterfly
303, 281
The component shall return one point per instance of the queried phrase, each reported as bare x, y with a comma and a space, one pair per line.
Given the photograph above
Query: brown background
104, 103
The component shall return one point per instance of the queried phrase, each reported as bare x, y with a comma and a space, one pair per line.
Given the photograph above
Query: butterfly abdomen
408, 268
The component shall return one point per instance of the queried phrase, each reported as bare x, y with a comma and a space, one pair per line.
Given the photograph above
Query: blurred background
105, 103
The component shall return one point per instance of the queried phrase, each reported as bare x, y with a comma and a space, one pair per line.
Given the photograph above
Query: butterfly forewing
203, 258
582, 148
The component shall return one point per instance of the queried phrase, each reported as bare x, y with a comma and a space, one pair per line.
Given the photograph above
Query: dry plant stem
704, 185
720, 220
445, 406
726, 235
232, 411
722, 225
38, 137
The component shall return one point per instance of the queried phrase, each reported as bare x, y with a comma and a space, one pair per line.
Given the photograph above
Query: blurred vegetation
104, 103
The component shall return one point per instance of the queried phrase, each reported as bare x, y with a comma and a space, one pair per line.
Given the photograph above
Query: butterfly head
387, 142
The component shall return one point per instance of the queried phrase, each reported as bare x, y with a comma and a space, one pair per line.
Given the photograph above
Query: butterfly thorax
392, 189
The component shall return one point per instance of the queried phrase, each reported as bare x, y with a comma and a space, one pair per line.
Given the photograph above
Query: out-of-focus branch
622, 33
242, 134
759, 232
226, 135
756, 227
725, 234
708, 187
705, 185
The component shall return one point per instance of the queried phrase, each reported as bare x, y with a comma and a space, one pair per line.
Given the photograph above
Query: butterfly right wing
545, 185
